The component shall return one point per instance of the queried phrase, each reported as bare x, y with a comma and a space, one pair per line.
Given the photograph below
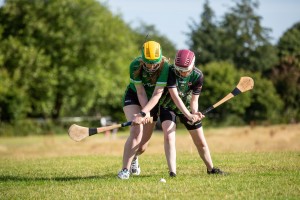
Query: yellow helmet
151, 52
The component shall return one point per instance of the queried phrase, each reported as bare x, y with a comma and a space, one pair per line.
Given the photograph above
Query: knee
135, 133
200, 146
169, 138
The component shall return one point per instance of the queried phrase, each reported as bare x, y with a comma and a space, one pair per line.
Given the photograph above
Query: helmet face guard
184, 62
151, 52
151, 70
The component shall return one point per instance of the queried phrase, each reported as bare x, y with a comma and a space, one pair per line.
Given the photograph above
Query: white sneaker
135, 168
123, 174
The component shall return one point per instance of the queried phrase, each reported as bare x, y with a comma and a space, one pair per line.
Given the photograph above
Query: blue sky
171, 17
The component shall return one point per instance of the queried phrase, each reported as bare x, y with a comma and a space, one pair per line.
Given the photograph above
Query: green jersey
186, 87
144, 77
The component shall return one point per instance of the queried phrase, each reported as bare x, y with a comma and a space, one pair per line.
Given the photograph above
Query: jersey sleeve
197, 86
163, 77
171, 79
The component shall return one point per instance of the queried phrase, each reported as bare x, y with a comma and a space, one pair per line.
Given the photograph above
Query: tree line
70, 58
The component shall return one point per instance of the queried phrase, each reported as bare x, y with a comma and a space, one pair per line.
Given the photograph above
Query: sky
172, 17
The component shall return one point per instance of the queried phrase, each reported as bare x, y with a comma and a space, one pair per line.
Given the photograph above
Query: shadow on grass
62, 179
5, 178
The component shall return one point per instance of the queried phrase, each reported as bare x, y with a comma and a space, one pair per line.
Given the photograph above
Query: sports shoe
172, 174
216, 171
135, 168
124, 174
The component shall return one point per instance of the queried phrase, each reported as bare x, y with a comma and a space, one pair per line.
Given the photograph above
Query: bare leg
169, 128
134, 139
202, 147
147, 133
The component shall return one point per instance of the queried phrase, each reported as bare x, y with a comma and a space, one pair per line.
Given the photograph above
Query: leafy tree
286, 75
238, 37
266, 104
245, 41
18, 60
204, 37
220, 78
12, 99
148, 32
60, 56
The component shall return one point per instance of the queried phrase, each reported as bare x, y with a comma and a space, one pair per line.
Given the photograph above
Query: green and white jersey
186, 87
144, 77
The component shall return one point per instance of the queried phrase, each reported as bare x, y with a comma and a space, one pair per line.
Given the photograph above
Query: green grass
252, 176
263, 163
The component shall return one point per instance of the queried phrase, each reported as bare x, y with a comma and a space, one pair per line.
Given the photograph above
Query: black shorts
166, 114
131, 98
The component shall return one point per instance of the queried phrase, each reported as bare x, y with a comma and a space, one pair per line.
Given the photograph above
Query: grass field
263, 163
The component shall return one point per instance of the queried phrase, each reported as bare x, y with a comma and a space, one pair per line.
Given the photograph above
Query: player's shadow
4, 178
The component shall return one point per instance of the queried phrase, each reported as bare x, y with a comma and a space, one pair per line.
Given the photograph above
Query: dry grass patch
230, 139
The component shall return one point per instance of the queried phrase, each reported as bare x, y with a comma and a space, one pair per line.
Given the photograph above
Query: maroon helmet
184, 60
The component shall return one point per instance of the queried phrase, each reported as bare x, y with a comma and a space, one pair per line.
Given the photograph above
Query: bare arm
194, 103
154, 99
194, 106
138, 119
142, 96
179, 103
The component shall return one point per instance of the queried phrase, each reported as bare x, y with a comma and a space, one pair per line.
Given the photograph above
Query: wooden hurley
245, 84
78, 133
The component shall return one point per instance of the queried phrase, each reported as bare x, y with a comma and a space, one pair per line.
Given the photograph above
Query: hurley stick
78, 133
245, 84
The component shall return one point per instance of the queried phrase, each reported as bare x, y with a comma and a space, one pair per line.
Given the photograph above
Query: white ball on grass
163, 180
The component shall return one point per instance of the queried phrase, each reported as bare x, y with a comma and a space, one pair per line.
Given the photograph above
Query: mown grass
252, 175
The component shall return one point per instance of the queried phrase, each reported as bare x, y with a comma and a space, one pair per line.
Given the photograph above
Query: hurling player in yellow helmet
148, 77
151, 52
